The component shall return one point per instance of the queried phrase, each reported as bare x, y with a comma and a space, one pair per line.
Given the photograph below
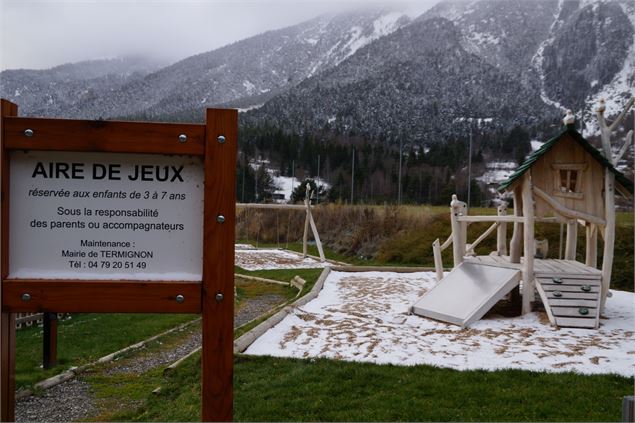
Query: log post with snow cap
528, 243
501, 231
457, 209
517, 234
307, 205
609, 190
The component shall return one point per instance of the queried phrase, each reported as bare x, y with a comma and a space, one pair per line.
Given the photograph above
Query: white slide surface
467, 293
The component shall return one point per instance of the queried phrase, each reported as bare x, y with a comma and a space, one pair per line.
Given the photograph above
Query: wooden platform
541, 266
570, 290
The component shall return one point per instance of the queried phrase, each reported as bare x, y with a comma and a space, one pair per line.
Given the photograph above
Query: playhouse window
568, 180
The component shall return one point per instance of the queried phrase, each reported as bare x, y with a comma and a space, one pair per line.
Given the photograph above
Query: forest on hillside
431, 171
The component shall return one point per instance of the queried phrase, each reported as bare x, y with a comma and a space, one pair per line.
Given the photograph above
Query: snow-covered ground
364, 317
271, 258
287, 184
497, 172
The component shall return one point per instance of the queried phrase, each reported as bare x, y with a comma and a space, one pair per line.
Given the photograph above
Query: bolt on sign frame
215, 142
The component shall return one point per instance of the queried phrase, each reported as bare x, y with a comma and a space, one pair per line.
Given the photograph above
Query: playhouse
566, 181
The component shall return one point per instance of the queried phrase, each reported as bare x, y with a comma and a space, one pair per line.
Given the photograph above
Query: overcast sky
39, 34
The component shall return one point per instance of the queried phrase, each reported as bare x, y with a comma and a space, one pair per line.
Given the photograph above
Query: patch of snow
386, 24
249, 86
287, 184
382, 26
480, 38
497, 172
479, 121
270, 258
312, 41
538, 59
616, 92
244, 247
365, 317
535, 144
248, 108
16, 93
493, 176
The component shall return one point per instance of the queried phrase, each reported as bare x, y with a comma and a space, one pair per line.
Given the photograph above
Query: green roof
568, 130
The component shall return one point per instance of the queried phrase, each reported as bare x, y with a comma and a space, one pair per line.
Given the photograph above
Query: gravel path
256, 307
68, 401
72, 400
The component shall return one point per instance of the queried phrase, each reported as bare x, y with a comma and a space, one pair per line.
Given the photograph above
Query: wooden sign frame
213, 297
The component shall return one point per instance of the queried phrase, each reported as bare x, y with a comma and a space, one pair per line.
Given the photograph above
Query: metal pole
400, 159
242, 195
256, 185
292, 178
317, 185
469, 170
353, 175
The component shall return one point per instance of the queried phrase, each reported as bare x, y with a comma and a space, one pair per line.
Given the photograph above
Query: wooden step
571, 301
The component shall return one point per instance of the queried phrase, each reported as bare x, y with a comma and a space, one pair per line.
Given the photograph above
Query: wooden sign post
120, 217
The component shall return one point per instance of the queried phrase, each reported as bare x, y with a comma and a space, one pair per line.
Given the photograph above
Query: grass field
84, 338
274, 389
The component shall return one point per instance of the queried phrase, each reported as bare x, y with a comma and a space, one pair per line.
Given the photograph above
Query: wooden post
218, 265
501, 231
609, 235
528, 241
591, 245
305, 236
457, 208
7, 320
572, 240
49, 340
609, 194
438, 264
316, 236
517, 236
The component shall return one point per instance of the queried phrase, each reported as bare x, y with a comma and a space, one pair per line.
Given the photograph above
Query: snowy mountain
415, 84
377, 73
243, 74
573, 51
56, 91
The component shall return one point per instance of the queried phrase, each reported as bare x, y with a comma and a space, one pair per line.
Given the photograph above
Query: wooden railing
458, 238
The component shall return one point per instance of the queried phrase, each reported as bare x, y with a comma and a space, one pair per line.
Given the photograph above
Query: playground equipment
567, 181
308, 221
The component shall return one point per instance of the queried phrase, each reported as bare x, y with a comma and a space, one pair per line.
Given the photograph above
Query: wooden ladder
571, 300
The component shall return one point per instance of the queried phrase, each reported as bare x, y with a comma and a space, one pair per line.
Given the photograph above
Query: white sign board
105, 216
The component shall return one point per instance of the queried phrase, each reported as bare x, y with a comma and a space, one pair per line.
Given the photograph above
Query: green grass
126, 392
84, 338
275, 389
247, 289
284, 275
